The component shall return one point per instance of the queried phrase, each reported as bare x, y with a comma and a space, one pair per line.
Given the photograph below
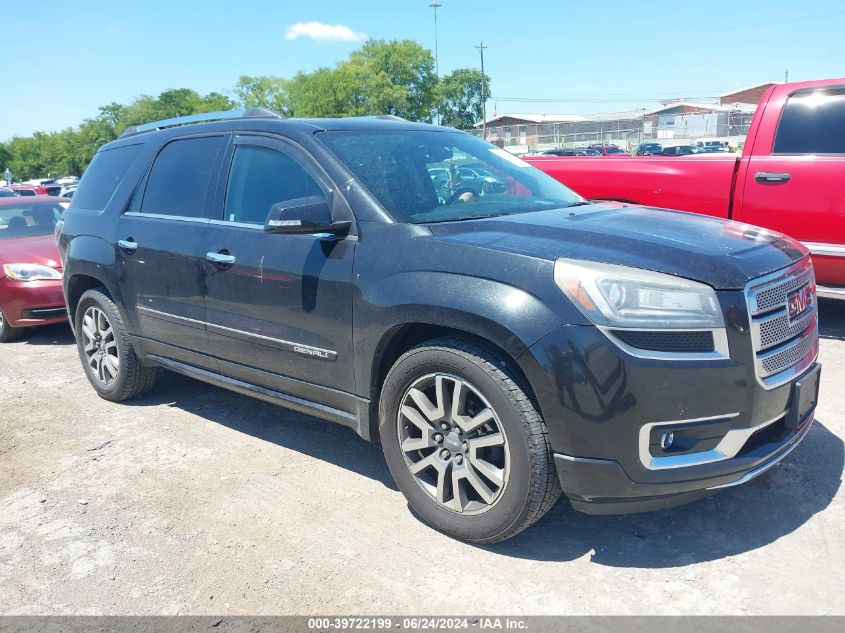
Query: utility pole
435, 6
481, 48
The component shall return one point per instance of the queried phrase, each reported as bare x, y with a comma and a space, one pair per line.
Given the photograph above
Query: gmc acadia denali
503, 344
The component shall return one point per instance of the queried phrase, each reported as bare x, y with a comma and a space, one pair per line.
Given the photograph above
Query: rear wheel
464, 442
7, 332
109, 360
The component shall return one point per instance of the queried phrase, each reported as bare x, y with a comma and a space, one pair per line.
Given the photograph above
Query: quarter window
813, 122
103, 176
259, 178
179, 179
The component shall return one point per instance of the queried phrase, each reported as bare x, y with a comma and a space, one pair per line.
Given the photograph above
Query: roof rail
247, 113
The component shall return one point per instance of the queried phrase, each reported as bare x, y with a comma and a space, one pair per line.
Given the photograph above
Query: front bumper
597, 400
588, 482
29, 303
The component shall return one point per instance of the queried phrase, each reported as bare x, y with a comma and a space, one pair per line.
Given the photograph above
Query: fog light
666, 440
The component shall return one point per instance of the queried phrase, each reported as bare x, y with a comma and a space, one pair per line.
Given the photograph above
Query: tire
7, 332
509, 453
108, 358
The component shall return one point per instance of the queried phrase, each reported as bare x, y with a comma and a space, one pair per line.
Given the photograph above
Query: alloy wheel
100, 346
453, 443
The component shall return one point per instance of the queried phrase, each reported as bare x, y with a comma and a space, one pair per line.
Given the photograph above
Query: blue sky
65, 59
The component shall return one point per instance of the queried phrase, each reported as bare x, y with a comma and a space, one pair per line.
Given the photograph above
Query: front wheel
7, 332
464, 442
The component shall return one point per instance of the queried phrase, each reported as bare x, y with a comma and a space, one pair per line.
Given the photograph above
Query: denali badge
799, 301
312, 351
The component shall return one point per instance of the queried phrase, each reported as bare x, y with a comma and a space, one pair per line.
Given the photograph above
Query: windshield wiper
579, 203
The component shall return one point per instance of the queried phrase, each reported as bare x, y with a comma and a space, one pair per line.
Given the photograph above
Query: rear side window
812, 123
259, 178
178, 181
103, 176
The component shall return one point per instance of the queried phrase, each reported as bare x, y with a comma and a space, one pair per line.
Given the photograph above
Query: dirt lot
196, 500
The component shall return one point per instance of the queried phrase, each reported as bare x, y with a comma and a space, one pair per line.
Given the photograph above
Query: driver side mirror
310, 214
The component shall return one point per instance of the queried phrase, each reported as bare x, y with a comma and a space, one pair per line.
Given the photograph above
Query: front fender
509, 317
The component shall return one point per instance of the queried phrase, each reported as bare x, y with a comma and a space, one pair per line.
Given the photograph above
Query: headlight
619, 296
30, 272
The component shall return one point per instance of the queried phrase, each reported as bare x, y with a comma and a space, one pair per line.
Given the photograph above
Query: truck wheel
109, 360
464, 443
7, 332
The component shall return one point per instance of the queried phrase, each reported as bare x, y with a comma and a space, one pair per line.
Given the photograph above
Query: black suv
502, 346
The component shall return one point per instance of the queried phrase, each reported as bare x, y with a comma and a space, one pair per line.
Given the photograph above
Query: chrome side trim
826, 248
720, 345
164, 216
831, 292
240, 225
751, 474
728, 447
291, 346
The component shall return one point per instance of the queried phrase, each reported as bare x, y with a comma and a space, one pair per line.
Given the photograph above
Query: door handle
772, 177
220, 258
128, 245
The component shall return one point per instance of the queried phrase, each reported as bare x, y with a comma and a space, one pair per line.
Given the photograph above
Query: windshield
28, 220
427, 176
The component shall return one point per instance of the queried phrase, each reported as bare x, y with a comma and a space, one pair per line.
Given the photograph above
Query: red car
608, 150
788, 179
30, 266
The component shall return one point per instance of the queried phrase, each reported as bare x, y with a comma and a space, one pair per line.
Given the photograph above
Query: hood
720, 253
38, 249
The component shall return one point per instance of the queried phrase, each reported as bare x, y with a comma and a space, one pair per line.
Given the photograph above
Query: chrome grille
783, 347
772, 294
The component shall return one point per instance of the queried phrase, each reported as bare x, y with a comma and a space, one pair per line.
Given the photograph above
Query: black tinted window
178, 181
813, 123
395, 166
103, 176
260, 177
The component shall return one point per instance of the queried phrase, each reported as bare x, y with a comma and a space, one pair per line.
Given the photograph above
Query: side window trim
274, 143
133, 208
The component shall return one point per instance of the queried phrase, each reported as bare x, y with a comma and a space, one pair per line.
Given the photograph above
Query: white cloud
320, 31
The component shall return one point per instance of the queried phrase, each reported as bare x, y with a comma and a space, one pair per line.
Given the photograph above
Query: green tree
382, 77
459, 101
409, 69
5, 158
263, 91
395, 77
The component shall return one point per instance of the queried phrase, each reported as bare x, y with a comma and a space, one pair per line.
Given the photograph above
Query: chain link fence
628, 133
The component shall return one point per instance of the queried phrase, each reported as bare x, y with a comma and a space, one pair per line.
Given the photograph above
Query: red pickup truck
790, 177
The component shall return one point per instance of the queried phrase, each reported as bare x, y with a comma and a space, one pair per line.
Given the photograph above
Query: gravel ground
194, 500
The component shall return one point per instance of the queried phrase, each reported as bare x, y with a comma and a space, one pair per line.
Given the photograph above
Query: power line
648, 68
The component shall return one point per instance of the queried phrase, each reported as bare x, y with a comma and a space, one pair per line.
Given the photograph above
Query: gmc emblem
799, 301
